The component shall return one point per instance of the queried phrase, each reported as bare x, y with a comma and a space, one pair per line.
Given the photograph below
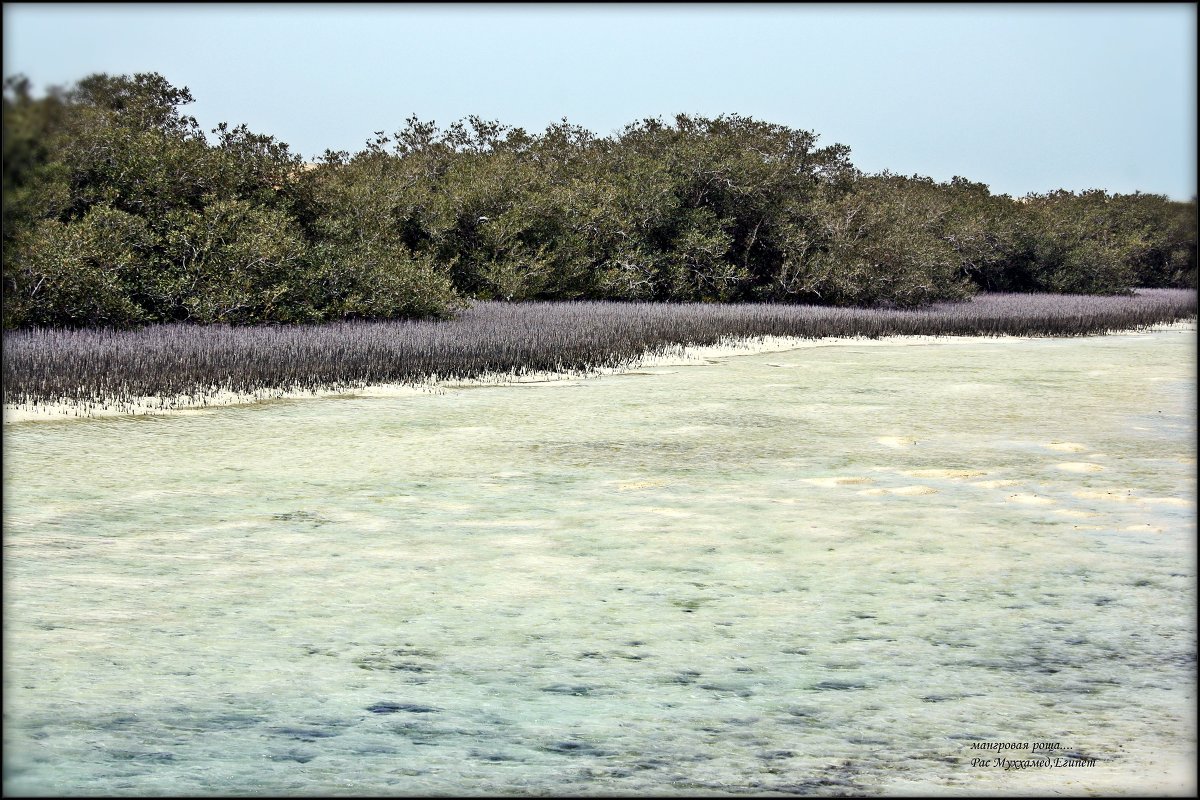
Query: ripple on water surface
699, 581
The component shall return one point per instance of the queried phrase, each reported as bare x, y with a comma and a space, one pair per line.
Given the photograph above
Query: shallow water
823, 571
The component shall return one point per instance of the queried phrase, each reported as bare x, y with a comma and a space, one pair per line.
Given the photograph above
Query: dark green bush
119, 211
78, 273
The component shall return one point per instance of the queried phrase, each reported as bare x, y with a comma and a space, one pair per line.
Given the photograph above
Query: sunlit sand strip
192, 404
683, 355
629, 486
996, 484
1080, 466
903, 491
837, 481
669, 512
949, 474
1066, 447
1113, 496
1178, 502
1128, 497
674, 355
1182, 325
1029, 499
896, 441
504, 523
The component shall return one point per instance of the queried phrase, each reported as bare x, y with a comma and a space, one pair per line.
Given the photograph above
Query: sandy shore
678, 355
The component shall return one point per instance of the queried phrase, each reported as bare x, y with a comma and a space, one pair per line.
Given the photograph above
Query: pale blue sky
1025, 98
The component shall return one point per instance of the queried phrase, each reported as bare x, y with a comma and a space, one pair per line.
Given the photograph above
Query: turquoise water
822, 571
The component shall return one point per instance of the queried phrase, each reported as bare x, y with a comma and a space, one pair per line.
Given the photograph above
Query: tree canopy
119, 211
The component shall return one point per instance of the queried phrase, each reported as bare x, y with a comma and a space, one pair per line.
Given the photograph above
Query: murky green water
821, 571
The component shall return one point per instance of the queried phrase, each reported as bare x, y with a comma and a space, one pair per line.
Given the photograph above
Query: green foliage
1160, 239
729, 192
1078, 245
78, 273
888, 241
31, 182
988, 233
231, 261
119, 211
369, 254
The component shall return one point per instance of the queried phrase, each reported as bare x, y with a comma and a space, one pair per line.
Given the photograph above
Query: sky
1024, 98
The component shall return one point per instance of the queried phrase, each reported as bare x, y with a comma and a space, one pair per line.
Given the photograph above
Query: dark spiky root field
114, 368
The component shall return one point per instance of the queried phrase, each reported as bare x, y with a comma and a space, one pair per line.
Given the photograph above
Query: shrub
69, 274
119, 211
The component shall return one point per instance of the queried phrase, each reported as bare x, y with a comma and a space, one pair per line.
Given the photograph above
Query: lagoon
831, 570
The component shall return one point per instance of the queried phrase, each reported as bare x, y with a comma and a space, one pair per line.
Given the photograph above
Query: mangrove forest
120, 211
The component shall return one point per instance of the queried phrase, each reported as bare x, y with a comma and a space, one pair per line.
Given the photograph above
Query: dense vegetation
105, 367
119, 211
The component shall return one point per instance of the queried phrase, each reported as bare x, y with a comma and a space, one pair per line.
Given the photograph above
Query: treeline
120, 211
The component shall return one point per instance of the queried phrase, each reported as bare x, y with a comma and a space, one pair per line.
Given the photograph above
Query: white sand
1067, 447
1111, 496
1030, 500
997, 484
902, 491
896, 441
949, 474
1080, 466
188, 404
837, 481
